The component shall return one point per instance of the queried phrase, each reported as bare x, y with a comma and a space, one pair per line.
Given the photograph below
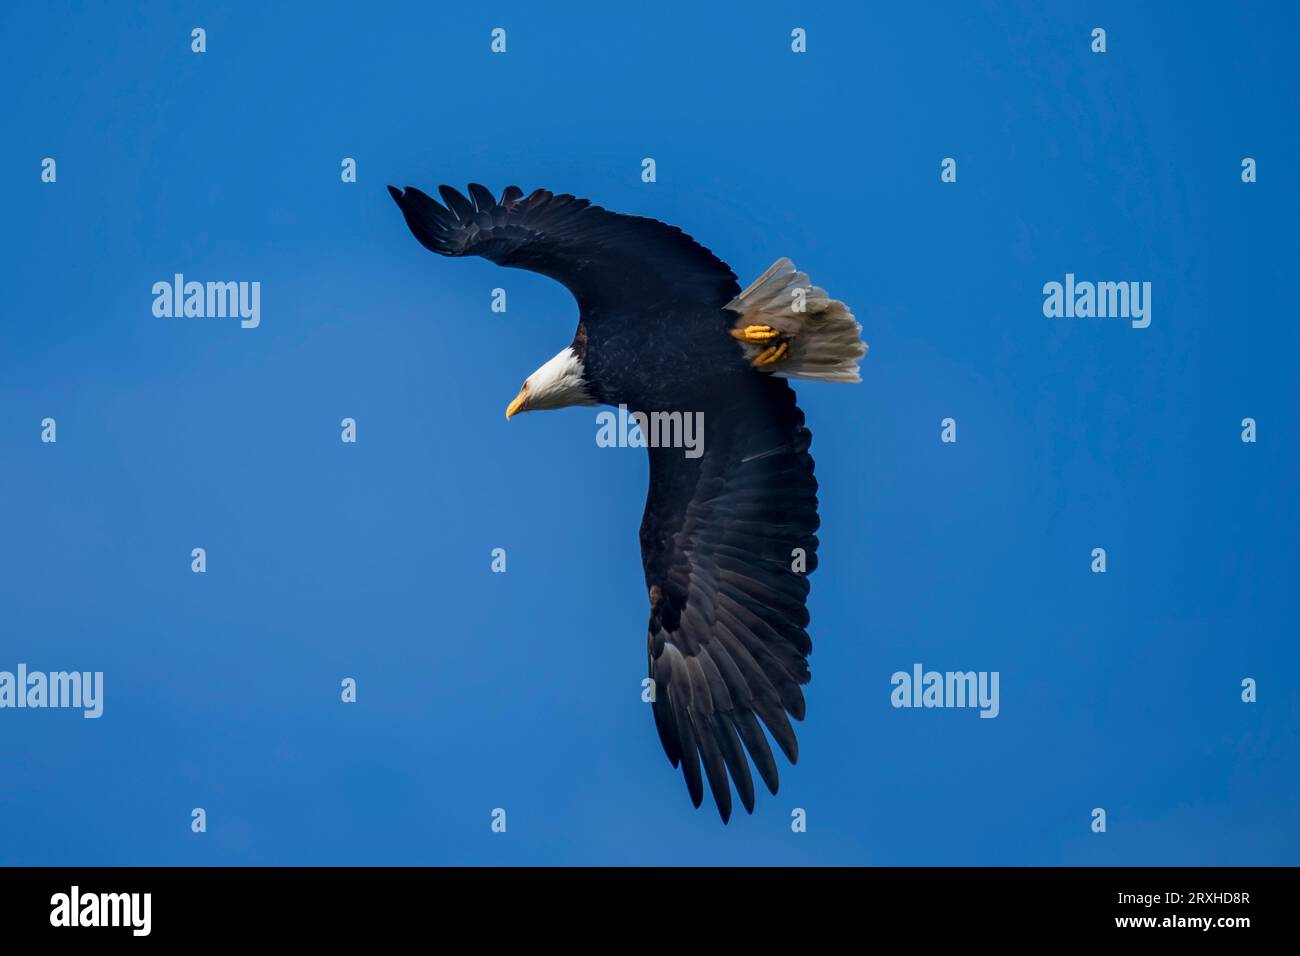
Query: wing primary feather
483, 200
714, 768
756, 743
689, 754
778, 724
457, 203
734, 755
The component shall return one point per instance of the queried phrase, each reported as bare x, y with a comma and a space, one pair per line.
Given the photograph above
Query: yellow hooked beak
519, 403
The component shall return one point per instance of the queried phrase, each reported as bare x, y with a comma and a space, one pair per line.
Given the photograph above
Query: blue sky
522, 690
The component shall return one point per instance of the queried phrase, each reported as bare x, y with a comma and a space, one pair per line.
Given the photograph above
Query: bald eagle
728, 536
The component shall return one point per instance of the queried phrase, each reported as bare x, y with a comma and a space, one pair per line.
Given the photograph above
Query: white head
557, 384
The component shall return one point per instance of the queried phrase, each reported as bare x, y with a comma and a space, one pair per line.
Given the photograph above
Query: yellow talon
755, 333
773, 353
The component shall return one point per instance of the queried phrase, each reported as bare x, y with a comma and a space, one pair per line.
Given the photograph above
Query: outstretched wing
721, 541
605, 259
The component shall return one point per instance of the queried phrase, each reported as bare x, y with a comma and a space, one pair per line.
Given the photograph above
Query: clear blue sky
522, 690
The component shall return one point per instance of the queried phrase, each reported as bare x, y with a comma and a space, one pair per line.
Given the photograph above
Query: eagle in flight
728, 536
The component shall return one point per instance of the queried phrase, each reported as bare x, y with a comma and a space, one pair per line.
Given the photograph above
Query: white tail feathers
824, 340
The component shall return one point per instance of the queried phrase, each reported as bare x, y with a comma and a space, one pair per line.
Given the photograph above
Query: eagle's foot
771, 354
758, 334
